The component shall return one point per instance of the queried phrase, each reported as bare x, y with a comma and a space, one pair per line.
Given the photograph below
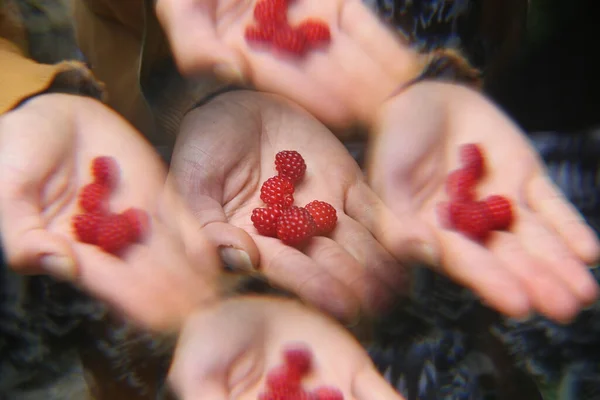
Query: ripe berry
114, 233
298, 359
290, 40
261, 33
474, 220
316, 32
328, 393
271, 11
295, 226
93, 197
290, 164
471, 158
501, 212
139, 222
460, 185
277, 190
105, 171
282, 377
85, 227
324, 215
265, 219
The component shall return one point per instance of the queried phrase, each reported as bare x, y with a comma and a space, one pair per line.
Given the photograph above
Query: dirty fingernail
228, 72
236, 260
59, 266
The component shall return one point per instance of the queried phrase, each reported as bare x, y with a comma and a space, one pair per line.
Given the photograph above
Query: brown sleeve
21, 77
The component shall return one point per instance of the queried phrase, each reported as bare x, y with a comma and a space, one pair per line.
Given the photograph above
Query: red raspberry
473, 219
500, 211
328, 393
262, 33
277, 190
86, 227
105, 171
299, 359
265, 219
271, 11
460, 185
316, 31
290, 40
295, 226
283, 378
290, 164
455, 210
471, 158
93, 197
114, 233
139, 222
324, 215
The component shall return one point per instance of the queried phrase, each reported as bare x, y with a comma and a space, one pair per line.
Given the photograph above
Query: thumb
28, 246
191, 29
402, 233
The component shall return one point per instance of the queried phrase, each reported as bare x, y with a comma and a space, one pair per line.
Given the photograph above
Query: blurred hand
541, 263
46, 147
226, 352
226, 150
349, 80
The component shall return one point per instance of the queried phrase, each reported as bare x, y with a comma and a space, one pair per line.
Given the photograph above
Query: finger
557, 211
546, 292
373, 294
294, 271
369, 384
191, 29
557, 258
29, 247
475, 267
379, 42
404, 236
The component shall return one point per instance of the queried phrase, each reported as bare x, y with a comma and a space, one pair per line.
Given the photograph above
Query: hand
225, 352
363, 65
226, 150
46, 147
540, 263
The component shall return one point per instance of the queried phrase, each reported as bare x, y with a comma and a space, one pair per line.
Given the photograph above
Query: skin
46, 147
235, 366
541, 263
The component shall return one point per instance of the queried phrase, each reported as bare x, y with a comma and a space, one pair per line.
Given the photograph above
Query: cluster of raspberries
464, 212
280, 218
273, 28
284, 382
96, 224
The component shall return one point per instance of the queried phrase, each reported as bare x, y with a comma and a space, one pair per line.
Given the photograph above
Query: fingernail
228, 72
428, 254
59, 266
236, 260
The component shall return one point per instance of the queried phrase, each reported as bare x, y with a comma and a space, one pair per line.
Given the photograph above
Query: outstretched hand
540, 264
225, 352
348, 80
226, 150
46, 148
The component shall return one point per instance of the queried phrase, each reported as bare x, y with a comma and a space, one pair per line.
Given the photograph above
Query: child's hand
226, 150
346, 81
46, 147
541, 262
225, 352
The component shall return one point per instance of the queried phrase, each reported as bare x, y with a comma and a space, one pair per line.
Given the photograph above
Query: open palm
55, 138
226, 352
540, 263
363, 57
226, 150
